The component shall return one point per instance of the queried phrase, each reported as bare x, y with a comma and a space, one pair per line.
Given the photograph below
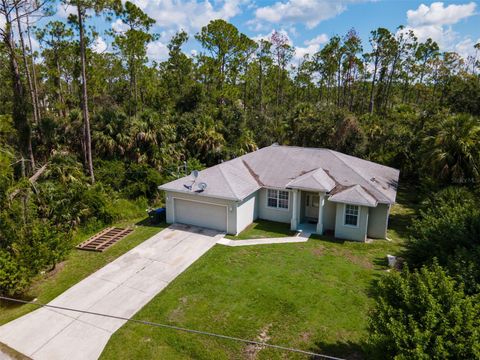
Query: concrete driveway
120, 288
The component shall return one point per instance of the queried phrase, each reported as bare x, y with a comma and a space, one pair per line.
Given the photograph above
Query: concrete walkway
300, 237
120, 288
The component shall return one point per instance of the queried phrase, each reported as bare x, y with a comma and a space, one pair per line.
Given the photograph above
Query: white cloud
64, 11
190, 15
119, 26
466, 47
268, 36
99, 45
157, 51
318, 40
309, 12
312, 47
437, 14
436, 21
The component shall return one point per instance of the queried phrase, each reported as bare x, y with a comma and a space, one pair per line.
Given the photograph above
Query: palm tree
454, 150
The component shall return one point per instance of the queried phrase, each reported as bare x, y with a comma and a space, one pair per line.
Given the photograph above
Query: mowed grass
78, 265
313, 296
263, 229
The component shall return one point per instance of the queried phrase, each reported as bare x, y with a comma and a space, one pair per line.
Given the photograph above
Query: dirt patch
358, 260
354, 259
318, 251
252, 350
59, 267
179, 312
305, 336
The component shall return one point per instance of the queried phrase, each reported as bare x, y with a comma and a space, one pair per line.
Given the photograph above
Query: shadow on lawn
272, 226
147, 222
342, 349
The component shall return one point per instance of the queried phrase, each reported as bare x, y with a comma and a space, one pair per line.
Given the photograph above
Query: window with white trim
351, 215
277, 199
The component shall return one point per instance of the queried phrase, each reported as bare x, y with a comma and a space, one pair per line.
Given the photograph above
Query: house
315, 190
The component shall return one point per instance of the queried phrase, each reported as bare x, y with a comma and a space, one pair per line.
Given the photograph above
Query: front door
311, 206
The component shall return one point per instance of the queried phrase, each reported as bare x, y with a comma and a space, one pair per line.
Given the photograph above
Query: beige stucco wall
231, 207
378, 221
357, 233
279, 215
247, 211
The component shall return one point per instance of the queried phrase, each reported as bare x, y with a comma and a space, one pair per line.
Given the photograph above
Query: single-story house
312, 189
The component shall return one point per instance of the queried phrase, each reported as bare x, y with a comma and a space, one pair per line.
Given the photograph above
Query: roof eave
203, 194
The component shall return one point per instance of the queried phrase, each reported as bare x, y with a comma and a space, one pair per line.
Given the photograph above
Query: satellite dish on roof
202, 186
194, 174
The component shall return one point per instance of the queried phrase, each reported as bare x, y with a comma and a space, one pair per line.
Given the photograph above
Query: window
351, 215
277, 199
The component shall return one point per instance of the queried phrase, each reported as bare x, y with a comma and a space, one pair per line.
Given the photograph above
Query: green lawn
263, 229
313, 296
78, 265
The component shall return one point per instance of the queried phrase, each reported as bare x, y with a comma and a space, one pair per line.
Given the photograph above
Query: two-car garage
205, 214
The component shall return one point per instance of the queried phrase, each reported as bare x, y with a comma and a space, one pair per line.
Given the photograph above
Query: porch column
294, 221
321, 202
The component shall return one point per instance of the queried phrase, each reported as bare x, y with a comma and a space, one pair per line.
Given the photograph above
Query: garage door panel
201, 214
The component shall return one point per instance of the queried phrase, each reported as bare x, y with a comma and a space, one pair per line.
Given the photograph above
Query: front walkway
300, 237
120, 288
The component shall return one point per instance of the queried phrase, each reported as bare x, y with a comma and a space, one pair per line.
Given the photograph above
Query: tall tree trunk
27, 67
260, 86
390, 80
86, 118
34, 72
19, 112
372, 91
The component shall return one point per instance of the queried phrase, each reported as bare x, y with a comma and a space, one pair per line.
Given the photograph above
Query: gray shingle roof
355, 195
293, 167
317, 180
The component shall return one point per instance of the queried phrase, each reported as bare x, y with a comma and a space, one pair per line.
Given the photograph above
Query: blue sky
455, 25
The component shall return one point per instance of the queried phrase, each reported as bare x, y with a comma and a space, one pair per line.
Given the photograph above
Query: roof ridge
356, 172
220, 167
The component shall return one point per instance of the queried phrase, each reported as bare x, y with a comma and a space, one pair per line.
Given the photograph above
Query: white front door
311, 206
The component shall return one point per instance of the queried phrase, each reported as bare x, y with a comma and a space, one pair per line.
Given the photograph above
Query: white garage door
201, 214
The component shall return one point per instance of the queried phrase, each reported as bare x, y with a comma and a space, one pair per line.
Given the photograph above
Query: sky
454, 25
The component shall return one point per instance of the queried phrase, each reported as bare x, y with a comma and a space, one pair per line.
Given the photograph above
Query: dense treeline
93, 128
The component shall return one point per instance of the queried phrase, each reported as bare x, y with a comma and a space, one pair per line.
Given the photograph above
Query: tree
9, 10
133, 44
453, 150
224, 43
424, 314
82, 7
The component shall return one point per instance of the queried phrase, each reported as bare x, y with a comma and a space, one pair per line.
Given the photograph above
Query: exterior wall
378, 221
279, 215
230, 204
247, 211
358, 233
329, 211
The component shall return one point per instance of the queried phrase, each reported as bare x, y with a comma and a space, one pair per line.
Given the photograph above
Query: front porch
311, 212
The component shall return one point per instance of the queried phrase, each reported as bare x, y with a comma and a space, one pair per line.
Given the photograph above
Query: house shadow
147, 222
342, 349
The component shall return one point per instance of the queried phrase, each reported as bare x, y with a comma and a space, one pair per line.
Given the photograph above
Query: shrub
448, 230
424, 314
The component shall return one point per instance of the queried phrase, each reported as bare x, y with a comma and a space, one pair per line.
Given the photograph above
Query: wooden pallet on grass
104, 239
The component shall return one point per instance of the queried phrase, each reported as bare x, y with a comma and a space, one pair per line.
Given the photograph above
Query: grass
313, 296
78, 265
263, 229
